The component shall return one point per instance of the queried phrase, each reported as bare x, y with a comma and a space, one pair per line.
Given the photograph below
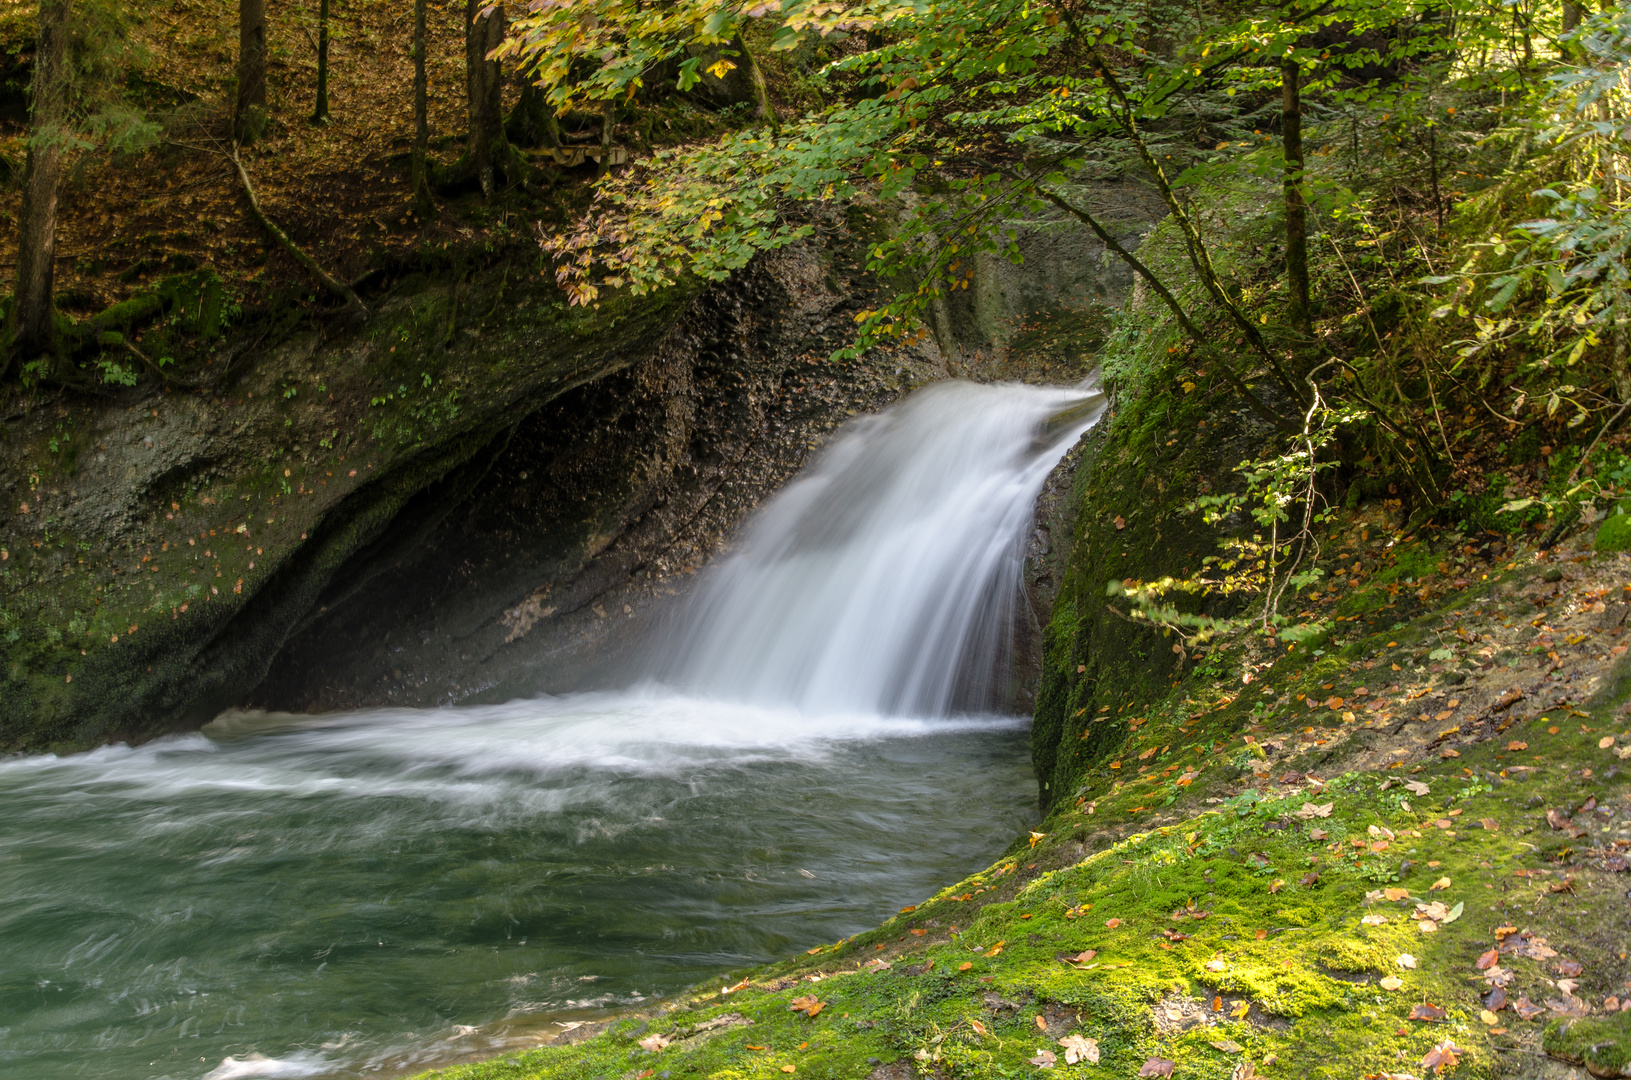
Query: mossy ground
1228, 862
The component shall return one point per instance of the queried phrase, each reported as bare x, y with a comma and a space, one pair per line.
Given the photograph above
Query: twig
160, 372
1574, 472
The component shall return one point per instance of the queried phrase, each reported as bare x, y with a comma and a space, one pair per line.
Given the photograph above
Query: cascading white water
377, 892
883, 579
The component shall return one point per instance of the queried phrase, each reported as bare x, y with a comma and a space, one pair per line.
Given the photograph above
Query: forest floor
1400, 853
339, 188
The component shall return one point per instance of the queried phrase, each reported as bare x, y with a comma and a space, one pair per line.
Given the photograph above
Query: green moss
1601, 1044
1614, 534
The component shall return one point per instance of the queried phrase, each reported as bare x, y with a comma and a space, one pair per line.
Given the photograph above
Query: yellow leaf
718, 70
1441, 883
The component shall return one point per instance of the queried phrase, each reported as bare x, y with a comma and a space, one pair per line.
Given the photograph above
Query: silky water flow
373, 893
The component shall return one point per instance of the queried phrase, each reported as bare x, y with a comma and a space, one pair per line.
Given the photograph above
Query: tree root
309, 264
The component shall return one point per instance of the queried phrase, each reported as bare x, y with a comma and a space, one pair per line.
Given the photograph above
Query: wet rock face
598, 509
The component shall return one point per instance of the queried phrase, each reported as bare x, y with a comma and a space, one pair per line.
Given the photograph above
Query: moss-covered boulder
1614, 534
1601, 1043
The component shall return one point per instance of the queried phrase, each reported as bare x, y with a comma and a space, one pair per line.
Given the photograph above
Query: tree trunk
249, 114
608, 123
1291, 136
762, 108
320, 111
421, 111
532, 122
33, 315
485, 86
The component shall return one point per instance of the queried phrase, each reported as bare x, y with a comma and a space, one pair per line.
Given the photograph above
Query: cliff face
161, 547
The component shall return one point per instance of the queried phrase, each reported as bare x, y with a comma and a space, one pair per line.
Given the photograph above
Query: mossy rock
1614, 534
1601, 1044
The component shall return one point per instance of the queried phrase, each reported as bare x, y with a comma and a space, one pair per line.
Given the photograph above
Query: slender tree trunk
1291, 135
421, 111
320, 111
33, 314
762, 108
249, 114
1572, 15
608, 122
485, 86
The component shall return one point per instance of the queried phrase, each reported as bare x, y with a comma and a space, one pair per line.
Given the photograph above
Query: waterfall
883, 579
382, 891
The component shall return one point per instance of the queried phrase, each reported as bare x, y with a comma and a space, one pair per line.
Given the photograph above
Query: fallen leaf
789, 1068
979, 1028
1374, 920
1044, 1059
1156, 1067
964, 966
1080, 1048
1310, 878
1439, 885
1391, 982
1112, 923
1082, 957
1416, 787
1276, 885
1442, 1057
653, 1043
1489, 824
1405, 960
1240, 1010
1489, 959
808, 1005
1454, 913
1504, 932
995, 949
1427, 926
1605, 742
1229, 1046
750, 1046
1121, 523
1489, 1018
1396, 894
1310, 810
1041, 1024
1425, 1010
1517, 744
1317, 834
1495, 1000
1526, 1009
1569, 968
1215, 965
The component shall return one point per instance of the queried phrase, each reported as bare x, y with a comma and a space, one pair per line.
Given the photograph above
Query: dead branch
334, 287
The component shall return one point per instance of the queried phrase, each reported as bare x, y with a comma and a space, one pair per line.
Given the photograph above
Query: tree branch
1257, 404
